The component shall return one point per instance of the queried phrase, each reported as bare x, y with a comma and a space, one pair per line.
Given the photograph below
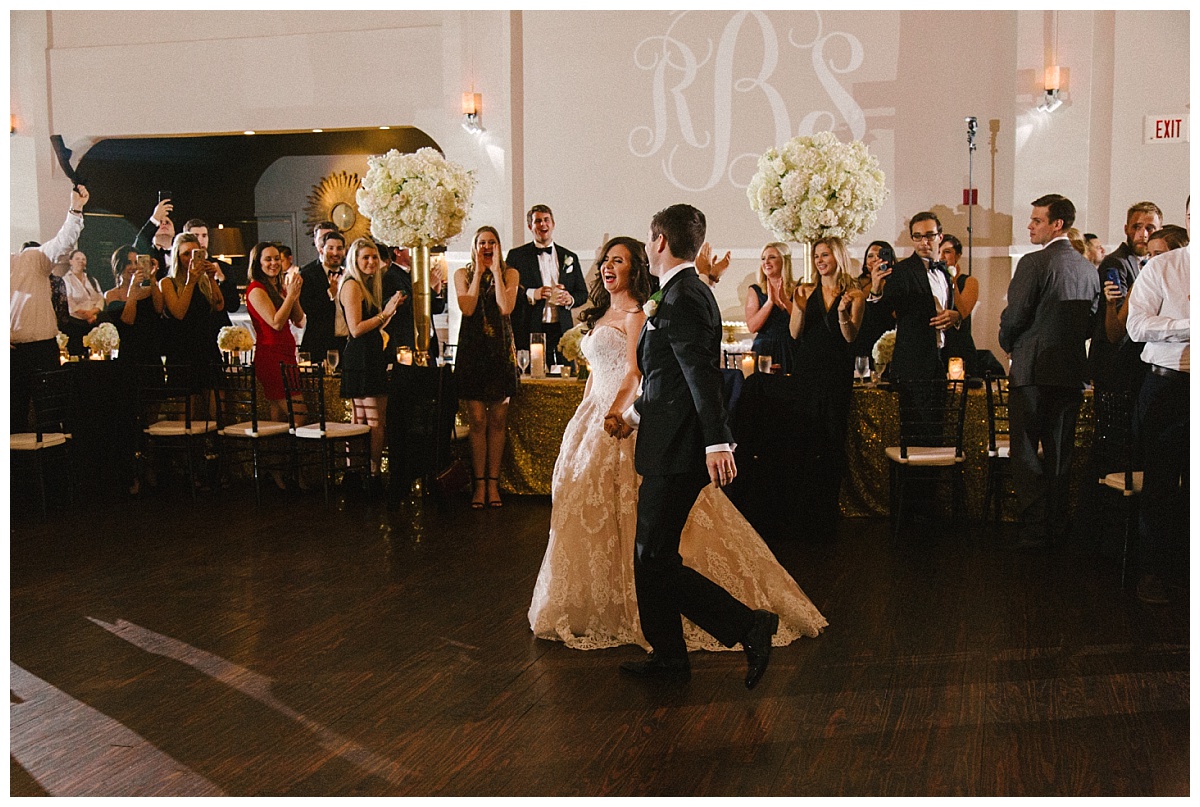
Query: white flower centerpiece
817, 187
570, 345
103, 339
418, 200
882, 351
235, 340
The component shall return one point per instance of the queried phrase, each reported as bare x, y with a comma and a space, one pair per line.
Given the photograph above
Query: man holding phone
157, 235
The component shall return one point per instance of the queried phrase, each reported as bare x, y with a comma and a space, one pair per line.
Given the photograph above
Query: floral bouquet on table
882, 352
234, 339
815, 187
569, 344
103, 337
415, 200
62, 340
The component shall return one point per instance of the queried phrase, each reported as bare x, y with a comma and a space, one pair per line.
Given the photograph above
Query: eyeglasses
924, 236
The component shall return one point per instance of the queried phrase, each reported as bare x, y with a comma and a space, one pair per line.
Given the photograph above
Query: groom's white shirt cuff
632, 418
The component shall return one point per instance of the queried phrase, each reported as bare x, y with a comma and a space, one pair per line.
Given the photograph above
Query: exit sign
1166, 129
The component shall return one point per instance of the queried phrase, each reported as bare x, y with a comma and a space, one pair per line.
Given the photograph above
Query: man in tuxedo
397, 277
156, 236
1052, 299
325, 324
549, 272
920, 294
224, 277
684, 444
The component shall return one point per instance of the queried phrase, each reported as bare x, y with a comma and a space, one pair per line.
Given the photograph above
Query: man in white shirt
32, 324
550, 275
1160, 316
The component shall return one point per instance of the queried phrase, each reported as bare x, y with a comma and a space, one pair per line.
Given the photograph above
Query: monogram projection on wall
750, 85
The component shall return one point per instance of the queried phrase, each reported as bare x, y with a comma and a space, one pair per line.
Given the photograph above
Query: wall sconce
12, 123
226, 242
1051, 100
472, 108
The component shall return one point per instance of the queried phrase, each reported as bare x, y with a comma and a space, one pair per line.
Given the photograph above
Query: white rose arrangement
103, 337
882, 352
234, 338
569, 343
415, 200
62, 340
814, 187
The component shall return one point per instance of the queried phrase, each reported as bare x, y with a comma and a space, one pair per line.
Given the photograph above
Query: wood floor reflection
165, 648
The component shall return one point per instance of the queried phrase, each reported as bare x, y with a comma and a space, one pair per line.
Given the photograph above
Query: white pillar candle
537, 359
956, 372
749, 364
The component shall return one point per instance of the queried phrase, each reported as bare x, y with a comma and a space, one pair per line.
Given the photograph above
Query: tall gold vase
802, 255
422, 318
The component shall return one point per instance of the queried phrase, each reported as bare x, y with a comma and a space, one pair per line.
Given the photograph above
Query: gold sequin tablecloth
541, 409
874, 424
537, 418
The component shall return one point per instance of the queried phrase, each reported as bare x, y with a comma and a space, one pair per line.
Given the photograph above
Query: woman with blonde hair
769, 306
363, 362
825, 321
486, 359
190, 297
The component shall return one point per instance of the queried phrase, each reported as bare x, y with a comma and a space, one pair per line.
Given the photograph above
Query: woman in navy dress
769, 306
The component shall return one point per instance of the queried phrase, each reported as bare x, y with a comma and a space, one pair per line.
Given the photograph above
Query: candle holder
537, 355
955, 370
749, 363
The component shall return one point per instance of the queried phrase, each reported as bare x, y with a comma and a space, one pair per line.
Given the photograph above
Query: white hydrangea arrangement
814, 187
415, 200
234, 338
103, 337
882, 352
62, 340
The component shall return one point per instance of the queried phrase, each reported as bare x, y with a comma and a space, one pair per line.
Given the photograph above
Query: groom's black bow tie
543, 250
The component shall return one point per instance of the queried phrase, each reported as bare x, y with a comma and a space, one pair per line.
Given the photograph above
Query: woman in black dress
959, 341
364, 363
190, 296
825, 320
769, 306
486, 361
135, 304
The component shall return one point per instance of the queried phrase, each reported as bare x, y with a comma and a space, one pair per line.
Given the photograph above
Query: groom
685, 443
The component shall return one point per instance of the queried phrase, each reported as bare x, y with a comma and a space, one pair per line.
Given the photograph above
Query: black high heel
496, 501
478, 505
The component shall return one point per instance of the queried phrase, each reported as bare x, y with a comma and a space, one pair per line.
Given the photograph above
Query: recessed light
248, 132
318, 130
385, 127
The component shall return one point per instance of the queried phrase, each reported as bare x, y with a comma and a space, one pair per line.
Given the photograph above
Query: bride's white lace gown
584, 594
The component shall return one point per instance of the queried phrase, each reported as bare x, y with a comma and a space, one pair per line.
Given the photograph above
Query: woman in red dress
273, 301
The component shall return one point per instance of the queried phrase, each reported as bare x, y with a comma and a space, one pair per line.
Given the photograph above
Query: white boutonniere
568, 264
651, 305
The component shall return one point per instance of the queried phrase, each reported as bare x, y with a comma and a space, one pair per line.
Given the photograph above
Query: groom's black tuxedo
682, 411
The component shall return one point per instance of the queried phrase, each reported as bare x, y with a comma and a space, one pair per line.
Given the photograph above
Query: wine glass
862, 367
331, 360
303, 359
523, 360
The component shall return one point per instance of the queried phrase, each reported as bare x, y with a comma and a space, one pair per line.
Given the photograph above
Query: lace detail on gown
584, 595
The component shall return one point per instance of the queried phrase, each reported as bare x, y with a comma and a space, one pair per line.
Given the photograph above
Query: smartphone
164, 195
145, 264
1113, 276
200, 253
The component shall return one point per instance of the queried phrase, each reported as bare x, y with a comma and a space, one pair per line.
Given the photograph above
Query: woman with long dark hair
486, 359
134, 304
273, 301
190, 296
585, 594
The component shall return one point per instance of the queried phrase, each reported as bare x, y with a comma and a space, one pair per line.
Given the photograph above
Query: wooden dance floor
164, 648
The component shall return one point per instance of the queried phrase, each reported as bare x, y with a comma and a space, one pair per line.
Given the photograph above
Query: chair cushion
266, 428
924, 455
177, 428
334, 431
27, 441
1001, 447
1116, 481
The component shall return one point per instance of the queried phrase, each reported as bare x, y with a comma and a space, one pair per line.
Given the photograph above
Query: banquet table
767, 426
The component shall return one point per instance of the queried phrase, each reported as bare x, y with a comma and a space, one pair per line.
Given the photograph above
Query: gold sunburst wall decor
332, 199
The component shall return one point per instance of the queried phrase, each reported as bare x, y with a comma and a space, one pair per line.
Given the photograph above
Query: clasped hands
616, 426
946, 318
555, 294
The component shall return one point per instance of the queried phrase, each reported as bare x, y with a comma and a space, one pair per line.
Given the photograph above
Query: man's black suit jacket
319, 311
400, 328
908, 295
570, 275
1052, 299
682, 405
143, 242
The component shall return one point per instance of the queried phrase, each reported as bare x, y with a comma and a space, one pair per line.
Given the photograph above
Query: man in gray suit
1052, 300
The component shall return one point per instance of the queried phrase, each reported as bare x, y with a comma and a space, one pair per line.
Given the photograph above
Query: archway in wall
211, 177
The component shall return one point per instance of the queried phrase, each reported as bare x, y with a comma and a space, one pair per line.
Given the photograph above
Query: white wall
582, 130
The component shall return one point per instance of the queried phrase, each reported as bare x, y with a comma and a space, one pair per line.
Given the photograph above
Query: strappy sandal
496, 501
478, 504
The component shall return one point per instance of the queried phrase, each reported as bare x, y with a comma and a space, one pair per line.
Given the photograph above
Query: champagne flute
331, 359
862, 367
523, 360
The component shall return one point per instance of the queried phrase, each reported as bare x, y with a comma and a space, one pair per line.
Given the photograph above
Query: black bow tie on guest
939, 266
543, 250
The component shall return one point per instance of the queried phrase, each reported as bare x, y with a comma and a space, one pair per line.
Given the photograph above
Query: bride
584, 594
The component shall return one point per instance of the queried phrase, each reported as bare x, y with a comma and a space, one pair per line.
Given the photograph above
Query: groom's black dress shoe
664, 669
757, 645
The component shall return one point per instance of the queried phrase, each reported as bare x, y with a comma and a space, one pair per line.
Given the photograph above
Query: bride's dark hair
639, 279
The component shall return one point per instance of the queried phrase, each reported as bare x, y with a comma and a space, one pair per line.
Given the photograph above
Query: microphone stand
972, 127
